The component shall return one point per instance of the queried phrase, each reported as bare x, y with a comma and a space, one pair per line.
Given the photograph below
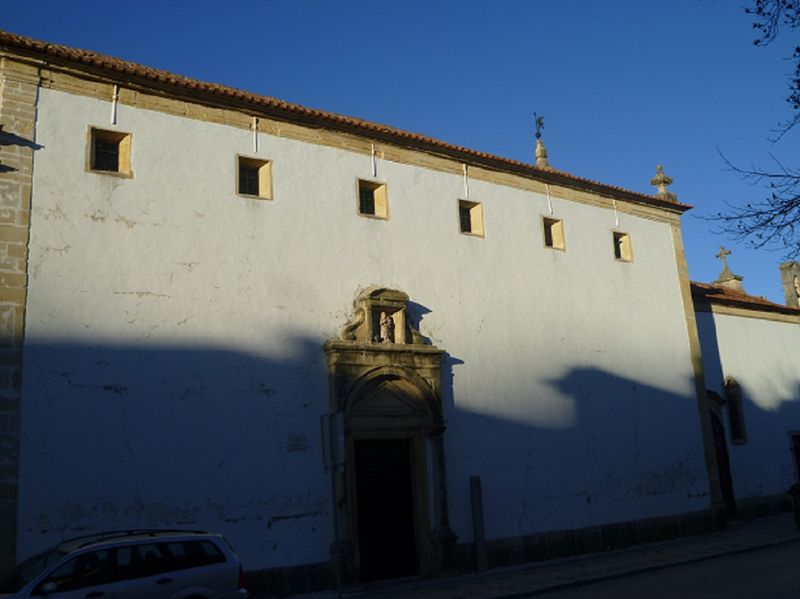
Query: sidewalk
530, 579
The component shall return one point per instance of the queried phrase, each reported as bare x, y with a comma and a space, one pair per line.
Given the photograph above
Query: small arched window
733, 397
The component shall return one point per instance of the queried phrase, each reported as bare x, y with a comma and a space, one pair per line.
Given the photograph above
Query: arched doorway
721, 451
390, 492
386, 424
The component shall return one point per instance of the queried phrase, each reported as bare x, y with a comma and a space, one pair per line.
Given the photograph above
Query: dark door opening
796, 452
723, 464
385, 508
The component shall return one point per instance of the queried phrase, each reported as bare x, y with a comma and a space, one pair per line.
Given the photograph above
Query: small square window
470, 217
110, 152
254, 178
372, 199
622, 247
553, 233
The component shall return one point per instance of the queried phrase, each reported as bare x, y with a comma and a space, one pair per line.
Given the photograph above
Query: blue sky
623, 85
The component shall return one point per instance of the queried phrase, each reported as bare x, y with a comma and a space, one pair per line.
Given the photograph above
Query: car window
211, 552
124, 565
177, 551
202, 553
85, 570
152, 559
16, 578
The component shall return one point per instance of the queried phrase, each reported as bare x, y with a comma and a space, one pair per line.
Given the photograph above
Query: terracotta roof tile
288, 111
715, 294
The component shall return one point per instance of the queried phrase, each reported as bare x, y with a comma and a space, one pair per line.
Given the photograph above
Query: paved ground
766, 573
539, 577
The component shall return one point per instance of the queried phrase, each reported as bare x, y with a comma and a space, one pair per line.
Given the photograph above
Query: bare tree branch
770, 16
773, 222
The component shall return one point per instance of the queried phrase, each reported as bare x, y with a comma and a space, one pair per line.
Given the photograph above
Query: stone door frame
419, 489
389, 388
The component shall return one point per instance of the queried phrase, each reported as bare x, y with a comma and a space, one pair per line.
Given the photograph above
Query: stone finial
726, 277
541, 155
661, 182
790, 278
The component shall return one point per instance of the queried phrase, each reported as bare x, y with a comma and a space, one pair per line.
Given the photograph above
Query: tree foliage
773, 221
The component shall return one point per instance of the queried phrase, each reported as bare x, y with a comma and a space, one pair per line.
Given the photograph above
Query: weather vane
539, 120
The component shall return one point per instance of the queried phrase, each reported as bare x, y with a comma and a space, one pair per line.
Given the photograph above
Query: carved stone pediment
380, 315
389, 400
378, 342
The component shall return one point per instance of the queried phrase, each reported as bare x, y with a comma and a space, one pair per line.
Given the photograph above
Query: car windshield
18, 577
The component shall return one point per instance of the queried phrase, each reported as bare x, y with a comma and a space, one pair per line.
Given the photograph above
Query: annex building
352, 348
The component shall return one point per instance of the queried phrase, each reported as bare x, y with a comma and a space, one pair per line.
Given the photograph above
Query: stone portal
390, 494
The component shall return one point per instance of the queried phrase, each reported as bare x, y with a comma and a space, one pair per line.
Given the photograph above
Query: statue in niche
391, 329
387, 328
796, 282
380, 316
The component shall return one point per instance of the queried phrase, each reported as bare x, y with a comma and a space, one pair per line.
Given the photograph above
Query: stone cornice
138, 77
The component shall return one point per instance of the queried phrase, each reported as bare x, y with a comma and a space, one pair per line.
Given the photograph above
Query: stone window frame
623, 246
474, 210
124, 141
264, 168
380, 198
553, 231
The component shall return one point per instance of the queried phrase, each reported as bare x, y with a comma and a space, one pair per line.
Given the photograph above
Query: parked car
136, 564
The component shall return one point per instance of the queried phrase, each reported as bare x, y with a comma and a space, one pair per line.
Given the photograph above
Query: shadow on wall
144, 436
115, 437
764, 464
11, 139
628, 451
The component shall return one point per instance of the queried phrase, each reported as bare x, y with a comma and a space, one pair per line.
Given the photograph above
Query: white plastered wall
762, 355
174, 373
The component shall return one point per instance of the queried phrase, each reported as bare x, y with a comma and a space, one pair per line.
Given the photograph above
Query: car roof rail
84, 540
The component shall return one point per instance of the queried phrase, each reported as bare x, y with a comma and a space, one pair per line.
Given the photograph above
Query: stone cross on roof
726, 277
723, 255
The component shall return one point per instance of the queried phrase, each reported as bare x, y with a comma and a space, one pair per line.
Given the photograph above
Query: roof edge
215, 94
705, 293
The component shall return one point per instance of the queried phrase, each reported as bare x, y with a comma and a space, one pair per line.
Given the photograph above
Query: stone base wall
18, 95
291, 580
280, 582
767, 505
551, 545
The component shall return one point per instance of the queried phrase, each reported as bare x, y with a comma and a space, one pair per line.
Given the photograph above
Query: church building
359, 353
